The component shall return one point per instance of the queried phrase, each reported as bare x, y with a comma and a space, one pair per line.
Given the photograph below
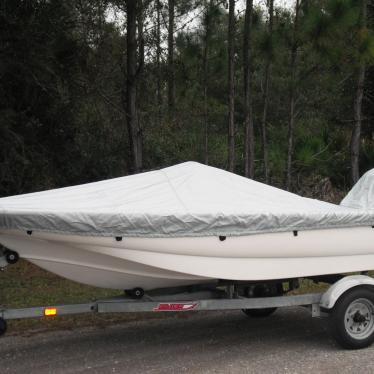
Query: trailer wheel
3, 326
352, 319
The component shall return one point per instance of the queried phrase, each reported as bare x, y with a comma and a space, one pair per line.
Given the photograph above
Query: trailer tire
259, 313
352, 318
3, 326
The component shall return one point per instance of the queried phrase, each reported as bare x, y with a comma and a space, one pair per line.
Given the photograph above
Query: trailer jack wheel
352, 319
3, 326
11, 257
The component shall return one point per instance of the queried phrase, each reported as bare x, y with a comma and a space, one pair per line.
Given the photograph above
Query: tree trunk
266, 98
356, 133
171, 82
248, 110
231, 93
135, 135
205, 78
140, 78
291, 123
140, 19
158, 60
101, 20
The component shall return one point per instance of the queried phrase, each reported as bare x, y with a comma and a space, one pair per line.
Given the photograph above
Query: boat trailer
349, 304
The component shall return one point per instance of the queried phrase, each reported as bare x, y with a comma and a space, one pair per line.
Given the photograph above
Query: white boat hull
168, 262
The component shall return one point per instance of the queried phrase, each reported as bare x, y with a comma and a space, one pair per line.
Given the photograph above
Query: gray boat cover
188, 199
361, 195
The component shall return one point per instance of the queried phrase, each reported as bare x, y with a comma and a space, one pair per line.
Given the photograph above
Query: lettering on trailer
174, 307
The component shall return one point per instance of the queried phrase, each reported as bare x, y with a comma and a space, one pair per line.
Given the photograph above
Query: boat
188, 224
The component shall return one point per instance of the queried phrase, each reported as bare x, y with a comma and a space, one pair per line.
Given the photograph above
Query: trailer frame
222, 298
179, 303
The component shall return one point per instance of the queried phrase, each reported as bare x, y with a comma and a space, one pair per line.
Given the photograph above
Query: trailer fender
330, 297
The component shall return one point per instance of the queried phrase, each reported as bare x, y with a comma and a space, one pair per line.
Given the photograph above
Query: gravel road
289, 341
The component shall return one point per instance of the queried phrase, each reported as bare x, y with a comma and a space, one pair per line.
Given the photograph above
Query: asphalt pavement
290, 341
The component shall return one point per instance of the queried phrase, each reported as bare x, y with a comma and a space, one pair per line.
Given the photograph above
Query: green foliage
366, 46
367, 154
343, 13
62, 65
266, 44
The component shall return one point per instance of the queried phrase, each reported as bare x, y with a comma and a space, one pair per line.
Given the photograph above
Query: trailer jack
3, 261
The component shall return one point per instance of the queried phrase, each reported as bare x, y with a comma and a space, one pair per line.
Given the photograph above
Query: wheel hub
359, 319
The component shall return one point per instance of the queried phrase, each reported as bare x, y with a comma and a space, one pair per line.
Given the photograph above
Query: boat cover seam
173, 190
